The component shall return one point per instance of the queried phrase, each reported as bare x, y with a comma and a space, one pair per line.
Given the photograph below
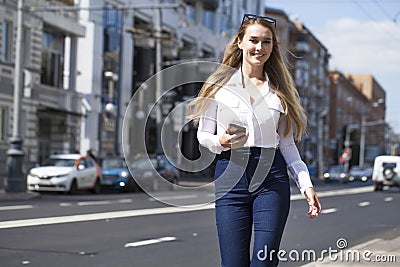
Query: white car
386, 172
65, 173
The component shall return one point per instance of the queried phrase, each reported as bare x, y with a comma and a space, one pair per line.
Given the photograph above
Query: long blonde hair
279, 76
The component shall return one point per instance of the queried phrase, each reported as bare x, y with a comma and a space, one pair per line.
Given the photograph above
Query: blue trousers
239, 207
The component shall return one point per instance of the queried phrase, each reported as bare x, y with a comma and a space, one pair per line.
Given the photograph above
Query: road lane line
327, 211
100, 216
364, 204
150, 241
65, 204
173, 197
341, 192
19, 207
97, 202
388, 199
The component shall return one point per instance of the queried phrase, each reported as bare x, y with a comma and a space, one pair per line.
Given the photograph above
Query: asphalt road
135, 230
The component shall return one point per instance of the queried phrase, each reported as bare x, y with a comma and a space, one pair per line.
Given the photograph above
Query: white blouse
260, 117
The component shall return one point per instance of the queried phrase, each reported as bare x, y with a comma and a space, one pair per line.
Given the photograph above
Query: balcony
58, 99
302, 47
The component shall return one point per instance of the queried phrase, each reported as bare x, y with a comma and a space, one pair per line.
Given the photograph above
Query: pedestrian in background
247, 113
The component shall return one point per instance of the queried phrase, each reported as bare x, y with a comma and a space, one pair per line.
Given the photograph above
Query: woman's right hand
233, 141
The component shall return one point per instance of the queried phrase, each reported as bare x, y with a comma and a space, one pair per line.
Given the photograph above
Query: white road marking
327, 211
388, 199
340, 192
19, 207
173, 197
100, 216
364, 204
150, 241
98, 202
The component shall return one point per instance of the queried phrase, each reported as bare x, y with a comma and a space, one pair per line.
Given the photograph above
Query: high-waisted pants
252, 190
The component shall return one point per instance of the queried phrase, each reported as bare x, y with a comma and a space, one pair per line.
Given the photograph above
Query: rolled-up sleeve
206, 132
298, 170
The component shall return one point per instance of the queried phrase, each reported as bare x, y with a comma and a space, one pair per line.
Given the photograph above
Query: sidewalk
7, 196
376, 252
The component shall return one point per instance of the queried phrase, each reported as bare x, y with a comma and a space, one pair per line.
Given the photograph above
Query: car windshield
60, 162
114, 163
389, 165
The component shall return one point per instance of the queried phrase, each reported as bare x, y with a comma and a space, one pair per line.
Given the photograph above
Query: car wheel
74, 187
132, 186
97, 187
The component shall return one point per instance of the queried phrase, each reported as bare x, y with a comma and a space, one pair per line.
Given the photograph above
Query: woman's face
256, 45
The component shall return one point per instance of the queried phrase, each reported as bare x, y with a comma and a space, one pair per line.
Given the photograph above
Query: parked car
149, 172
65, 173
359, 173
116, 175
386, 172
336, 173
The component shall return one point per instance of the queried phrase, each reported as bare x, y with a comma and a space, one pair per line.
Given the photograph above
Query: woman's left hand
313, 202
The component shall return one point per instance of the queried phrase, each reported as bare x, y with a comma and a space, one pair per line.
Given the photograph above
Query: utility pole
159, 80
362, 141
321, 164
16, 181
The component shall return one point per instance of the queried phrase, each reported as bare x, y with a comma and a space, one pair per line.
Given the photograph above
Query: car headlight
124, 174
326, 175
342, 175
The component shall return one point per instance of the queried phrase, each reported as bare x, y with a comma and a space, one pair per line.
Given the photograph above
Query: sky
362, 36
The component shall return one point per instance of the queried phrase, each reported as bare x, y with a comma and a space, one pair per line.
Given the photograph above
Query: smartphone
236, 129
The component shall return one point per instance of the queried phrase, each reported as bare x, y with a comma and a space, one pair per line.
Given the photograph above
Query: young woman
247, 112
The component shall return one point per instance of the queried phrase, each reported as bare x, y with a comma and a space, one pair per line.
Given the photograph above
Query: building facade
376, 128
51, 109
126, 43
308, 61
359, 105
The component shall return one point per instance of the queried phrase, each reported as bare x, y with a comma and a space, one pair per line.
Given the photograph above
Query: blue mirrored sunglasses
252, 16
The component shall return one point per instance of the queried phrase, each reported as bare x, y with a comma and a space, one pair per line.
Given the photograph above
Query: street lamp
16, 181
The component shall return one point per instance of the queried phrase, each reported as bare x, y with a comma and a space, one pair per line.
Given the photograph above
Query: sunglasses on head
252, 16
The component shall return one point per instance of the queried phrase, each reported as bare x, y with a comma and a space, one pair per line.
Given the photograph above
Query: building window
27, 47
6, 42
209, 19
190, 12
3, 124
52, 59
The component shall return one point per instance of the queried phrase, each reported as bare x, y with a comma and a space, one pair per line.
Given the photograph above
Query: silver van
386, 172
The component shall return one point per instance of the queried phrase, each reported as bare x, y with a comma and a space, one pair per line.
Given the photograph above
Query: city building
376, 127
126, 43
358, 102
308, 61
51, 105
